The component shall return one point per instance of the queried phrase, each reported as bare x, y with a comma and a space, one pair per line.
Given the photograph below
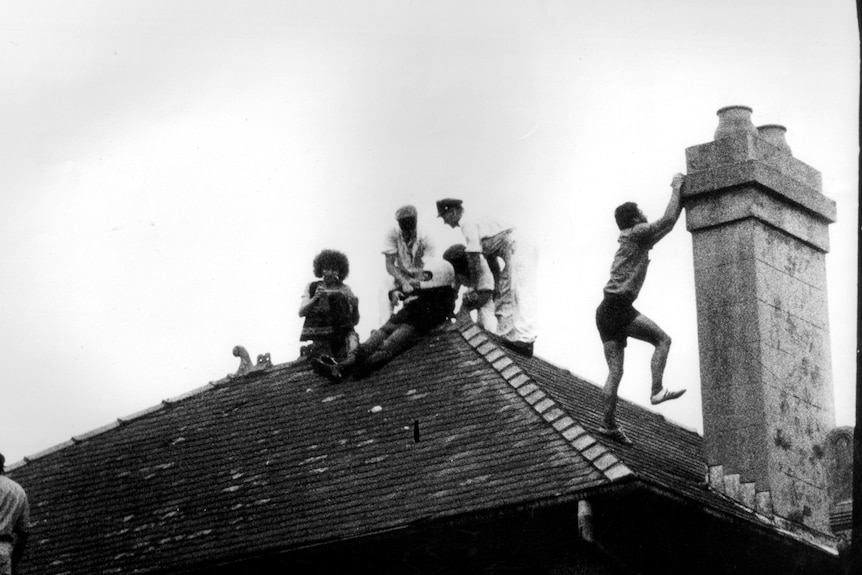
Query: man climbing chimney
759, 224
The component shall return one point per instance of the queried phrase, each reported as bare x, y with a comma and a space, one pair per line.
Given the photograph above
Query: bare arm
478, 271
354, 307
494, 266
654, 231
400, 278
308, 302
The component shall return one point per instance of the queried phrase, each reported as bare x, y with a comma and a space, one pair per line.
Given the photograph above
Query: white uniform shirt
485, 235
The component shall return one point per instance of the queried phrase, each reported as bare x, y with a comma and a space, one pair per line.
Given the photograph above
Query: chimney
759, 225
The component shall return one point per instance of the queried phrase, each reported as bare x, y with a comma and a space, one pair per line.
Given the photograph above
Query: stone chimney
759, 224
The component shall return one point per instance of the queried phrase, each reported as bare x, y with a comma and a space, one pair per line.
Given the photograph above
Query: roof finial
245, 365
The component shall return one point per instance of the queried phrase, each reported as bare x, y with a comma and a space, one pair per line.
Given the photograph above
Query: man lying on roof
431, 302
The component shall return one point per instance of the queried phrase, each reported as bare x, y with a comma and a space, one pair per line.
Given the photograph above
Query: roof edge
820, 541
125, 420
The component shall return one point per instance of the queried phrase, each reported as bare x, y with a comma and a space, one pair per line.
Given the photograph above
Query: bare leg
614, 355
645, 329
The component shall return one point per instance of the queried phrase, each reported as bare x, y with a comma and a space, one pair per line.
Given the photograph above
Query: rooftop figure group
497, 268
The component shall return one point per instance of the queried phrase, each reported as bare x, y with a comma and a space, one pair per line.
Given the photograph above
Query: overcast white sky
170, 169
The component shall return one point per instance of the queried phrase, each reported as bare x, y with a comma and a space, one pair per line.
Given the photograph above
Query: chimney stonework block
764, 503
716, 477
759, 225
747, 495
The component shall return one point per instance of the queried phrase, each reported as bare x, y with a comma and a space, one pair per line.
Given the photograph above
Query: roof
282, 459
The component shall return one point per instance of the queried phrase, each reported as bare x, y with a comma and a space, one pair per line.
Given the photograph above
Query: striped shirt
14, 508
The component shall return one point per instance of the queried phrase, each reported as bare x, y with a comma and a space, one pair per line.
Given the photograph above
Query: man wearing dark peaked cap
515, 298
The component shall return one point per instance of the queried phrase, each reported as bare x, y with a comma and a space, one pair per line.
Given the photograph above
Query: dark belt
7, 538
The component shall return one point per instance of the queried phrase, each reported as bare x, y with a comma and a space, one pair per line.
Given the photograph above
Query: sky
171, 168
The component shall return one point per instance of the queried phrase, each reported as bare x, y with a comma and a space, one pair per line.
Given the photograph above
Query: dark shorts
613, 316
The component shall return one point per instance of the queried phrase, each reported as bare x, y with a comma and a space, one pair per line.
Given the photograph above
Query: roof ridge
230, 378
575, 435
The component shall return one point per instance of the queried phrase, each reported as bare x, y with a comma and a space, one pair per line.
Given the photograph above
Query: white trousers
516, 306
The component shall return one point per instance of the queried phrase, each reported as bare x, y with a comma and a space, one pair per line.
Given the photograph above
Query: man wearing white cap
405, 250
515, 298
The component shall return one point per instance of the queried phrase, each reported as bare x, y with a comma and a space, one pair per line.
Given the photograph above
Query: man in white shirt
515, 297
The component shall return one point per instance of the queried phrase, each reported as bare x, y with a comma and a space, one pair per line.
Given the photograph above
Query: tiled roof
283, 459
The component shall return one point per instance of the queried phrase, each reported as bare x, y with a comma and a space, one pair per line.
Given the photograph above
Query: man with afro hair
330, 308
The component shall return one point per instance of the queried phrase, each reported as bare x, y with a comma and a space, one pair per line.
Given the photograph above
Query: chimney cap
737, 107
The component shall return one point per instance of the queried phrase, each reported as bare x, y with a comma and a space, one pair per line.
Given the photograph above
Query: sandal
616, 434
665, 395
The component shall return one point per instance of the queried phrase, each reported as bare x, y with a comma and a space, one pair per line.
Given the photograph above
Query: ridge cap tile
527, 389
563, 423
544, 405
575, 432
486, 347
594, 451
502, 362
606, 460
519, 380
583, 441
553, 415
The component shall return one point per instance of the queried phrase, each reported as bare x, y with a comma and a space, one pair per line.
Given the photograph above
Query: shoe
665, 395
616, 434
336, 374
524, 348
328, 368
320, 364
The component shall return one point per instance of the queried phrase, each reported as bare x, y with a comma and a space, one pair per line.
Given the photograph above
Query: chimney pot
734, 120
774, 134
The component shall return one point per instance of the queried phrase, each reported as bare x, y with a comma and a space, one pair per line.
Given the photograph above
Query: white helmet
437, 273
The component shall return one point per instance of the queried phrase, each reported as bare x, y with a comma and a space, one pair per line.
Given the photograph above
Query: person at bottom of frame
616, 317
14, 522
431, 302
